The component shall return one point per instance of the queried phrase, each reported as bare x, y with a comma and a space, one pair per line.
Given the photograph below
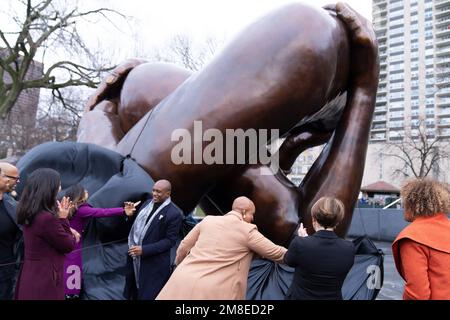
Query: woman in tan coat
422, 250
214, 259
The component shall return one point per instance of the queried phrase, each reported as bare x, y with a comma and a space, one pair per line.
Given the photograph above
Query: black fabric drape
268, 280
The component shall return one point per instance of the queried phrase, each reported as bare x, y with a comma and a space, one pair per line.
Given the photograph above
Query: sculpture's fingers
344, 12
111, 85
330, 7
362, 31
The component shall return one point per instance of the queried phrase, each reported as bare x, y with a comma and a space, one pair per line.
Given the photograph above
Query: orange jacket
422, 257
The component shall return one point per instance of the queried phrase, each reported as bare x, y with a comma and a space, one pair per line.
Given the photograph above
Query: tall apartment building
303, 164
414, 44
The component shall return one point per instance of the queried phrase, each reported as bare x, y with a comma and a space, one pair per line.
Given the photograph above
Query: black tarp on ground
268, 280
110, 179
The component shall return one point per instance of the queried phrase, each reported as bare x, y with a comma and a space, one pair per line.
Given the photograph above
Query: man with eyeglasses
10, 232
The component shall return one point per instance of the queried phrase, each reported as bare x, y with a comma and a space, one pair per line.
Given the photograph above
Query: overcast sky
161, 19
153, 23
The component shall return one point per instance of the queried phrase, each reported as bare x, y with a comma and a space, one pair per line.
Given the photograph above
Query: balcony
378, 119
443, 112
380, 3
396, 23
443, 51
440, 3
443, 92
442, 82
396, 108
444, 133
443, 102
378, 129
380, 23
445, 11
442, 61
443, 42
381, 100
394, 6
443, 22
397, 32
396, 126
380, 26
395, 117
379, 12
441, 72
381, 37
380, 109
375, 139
444, 123
382, 91
442, 32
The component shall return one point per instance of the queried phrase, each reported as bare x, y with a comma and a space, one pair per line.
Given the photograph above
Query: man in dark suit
154, 232
322, 260
9, 230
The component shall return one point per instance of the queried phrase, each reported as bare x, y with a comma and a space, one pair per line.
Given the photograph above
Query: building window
396, 95
397, 77
396, 105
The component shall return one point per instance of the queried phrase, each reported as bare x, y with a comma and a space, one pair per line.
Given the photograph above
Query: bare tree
418, 154
182, 51
43, 26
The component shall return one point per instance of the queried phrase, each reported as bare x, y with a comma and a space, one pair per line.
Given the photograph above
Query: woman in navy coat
322, 260
47, 237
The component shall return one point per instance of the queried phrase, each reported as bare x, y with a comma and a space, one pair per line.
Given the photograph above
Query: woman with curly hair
422, 250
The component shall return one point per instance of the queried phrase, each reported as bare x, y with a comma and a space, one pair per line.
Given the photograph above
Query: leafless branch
417, 154
43, 25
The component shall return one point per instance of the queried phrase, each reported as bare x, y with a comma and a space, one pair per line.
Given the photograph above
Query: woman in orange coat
422, 250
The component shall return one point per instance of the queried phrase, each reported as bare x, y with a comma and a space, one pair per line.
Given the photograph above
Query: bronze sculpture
123, 98
310, 60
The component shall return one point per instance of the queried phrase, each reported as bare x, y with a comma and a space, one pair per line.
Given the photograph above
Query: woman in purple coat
47, 237
78, 216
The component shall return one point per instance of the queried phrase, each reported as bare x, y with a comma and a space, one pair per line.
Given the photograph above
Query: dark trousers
7, 288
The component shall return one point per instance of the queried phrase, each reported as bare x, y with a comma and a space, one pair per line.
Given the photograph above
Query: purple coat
47, 239
73, 266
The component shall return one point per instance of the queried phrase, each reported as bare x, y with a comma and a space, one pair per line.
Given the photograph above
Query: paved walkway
393, 284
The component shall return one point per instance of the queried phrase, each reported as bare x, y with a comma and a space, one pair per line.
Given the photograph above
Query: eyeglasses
11, 177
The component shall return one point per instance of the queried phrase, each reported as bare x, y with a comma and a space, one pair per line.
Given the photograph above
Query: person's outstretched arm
264, 247
91, 212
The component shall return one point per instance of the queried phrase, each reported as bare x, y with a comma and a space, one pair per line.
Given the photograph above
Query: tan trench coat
213, 260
